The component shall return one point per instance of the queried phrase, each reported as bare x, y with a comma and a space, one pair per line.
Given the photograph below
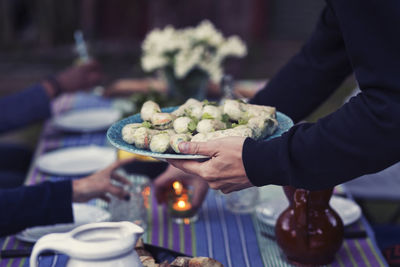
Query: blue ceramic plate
115, 138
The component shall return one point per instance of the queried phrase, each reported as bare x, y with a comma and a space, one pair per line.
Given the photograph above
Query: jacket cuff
61, 208
261, 162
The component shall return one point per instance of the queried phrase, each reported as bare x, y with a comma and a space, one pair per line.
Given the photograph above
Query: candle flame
181, 204
178, 187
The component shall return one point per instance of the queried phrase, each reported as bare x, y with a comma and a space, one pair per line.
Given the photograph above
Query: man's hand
163, 185
81, 77
126, 87
98, 185
224, 170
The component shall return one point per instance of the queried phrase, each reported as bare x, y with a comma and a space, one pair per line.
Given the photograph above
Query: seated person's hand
80, 77
163, 185
126, 87
98, 185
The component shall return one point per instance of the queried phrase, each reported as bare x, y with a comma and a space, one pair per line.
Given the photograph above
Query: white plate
83, 214
269, 210
76, 160
87, 120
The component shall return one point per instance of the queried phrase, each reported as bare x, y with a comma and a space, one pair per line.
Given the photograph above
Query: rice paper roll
206, 126
200, 137
128, 131
195, 111
162, 121
212, 112
183, 125
160, 142
148, 109
260, 111
142, 137
176, 139
259, 126
242, 131
271, 126
182, 110
234, 109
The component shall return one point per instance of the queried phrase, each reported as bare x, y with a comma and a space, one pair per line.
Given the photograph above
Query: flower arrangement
194, 48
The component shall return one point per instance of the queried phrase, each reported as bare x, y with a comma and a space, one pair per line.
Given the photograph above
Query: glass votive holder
135, 209
180, 206
243, 201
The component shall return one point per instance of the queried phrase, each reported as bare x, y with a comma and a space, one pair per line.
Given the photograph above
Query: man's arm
311, 75
25, 107
46, 203
33, 104
361, 137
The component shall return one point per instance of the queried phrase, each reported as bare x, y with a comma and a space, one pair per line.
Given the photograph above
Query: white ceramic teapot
97, 244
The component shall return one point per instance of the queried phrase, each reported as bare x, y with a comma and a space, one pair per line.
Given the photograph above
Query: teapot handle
51, 242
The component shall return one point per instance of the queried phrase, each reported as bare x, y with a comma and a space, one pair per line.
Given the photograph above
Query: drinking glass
132, 210
243, 201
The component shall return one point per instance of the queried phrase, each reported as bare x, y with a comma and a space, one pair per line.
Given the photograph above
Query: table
234, 240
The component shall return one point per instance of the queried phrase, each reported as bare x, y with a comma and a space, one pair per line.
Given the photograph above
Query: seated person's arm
33, 104
50, 202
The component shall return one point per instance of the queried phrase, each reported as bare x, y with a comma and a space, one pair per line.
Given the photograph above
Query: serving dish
115, 137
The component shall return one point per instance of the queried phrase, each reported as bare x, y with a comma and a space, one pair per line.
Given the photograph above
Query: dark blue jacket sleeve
311, 75
359, 138
25, 107
42, 204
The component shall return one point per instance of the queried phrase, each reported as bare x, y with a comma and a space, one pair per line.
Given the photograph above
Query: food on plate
212, 112
176, 139
198, 122
128, 132
195, 262
192, 108
262, 126
207, 125
160, 142
241, 130
149, 108
162, 121
233, 109
142, 137
148, 260
183, 124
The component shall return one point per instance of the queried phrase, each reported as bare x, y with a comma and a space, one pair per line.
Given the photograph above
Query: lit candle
178, 188
182, 204
179, 203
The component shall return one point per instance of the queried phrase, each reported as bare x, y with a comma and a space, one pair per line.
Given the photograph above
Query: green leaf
207, 116
212, 103
242, 121
192, 126
147, 124
225, 118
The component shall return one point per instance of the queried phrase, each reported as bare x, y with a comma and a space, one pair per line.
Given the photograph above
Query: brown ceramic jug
309, 231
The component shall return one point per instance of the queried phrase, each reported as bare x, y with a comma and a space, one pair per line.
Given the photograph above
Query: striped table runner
354, 252
234, 240
226, 237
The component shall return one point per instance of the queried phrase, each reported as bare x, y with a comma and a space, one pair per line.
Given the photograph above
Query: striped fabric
234, 240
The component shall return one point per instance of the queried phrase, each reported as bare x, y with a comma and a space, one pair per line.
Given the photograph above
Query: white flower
202, 47
151, 63
234, 47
